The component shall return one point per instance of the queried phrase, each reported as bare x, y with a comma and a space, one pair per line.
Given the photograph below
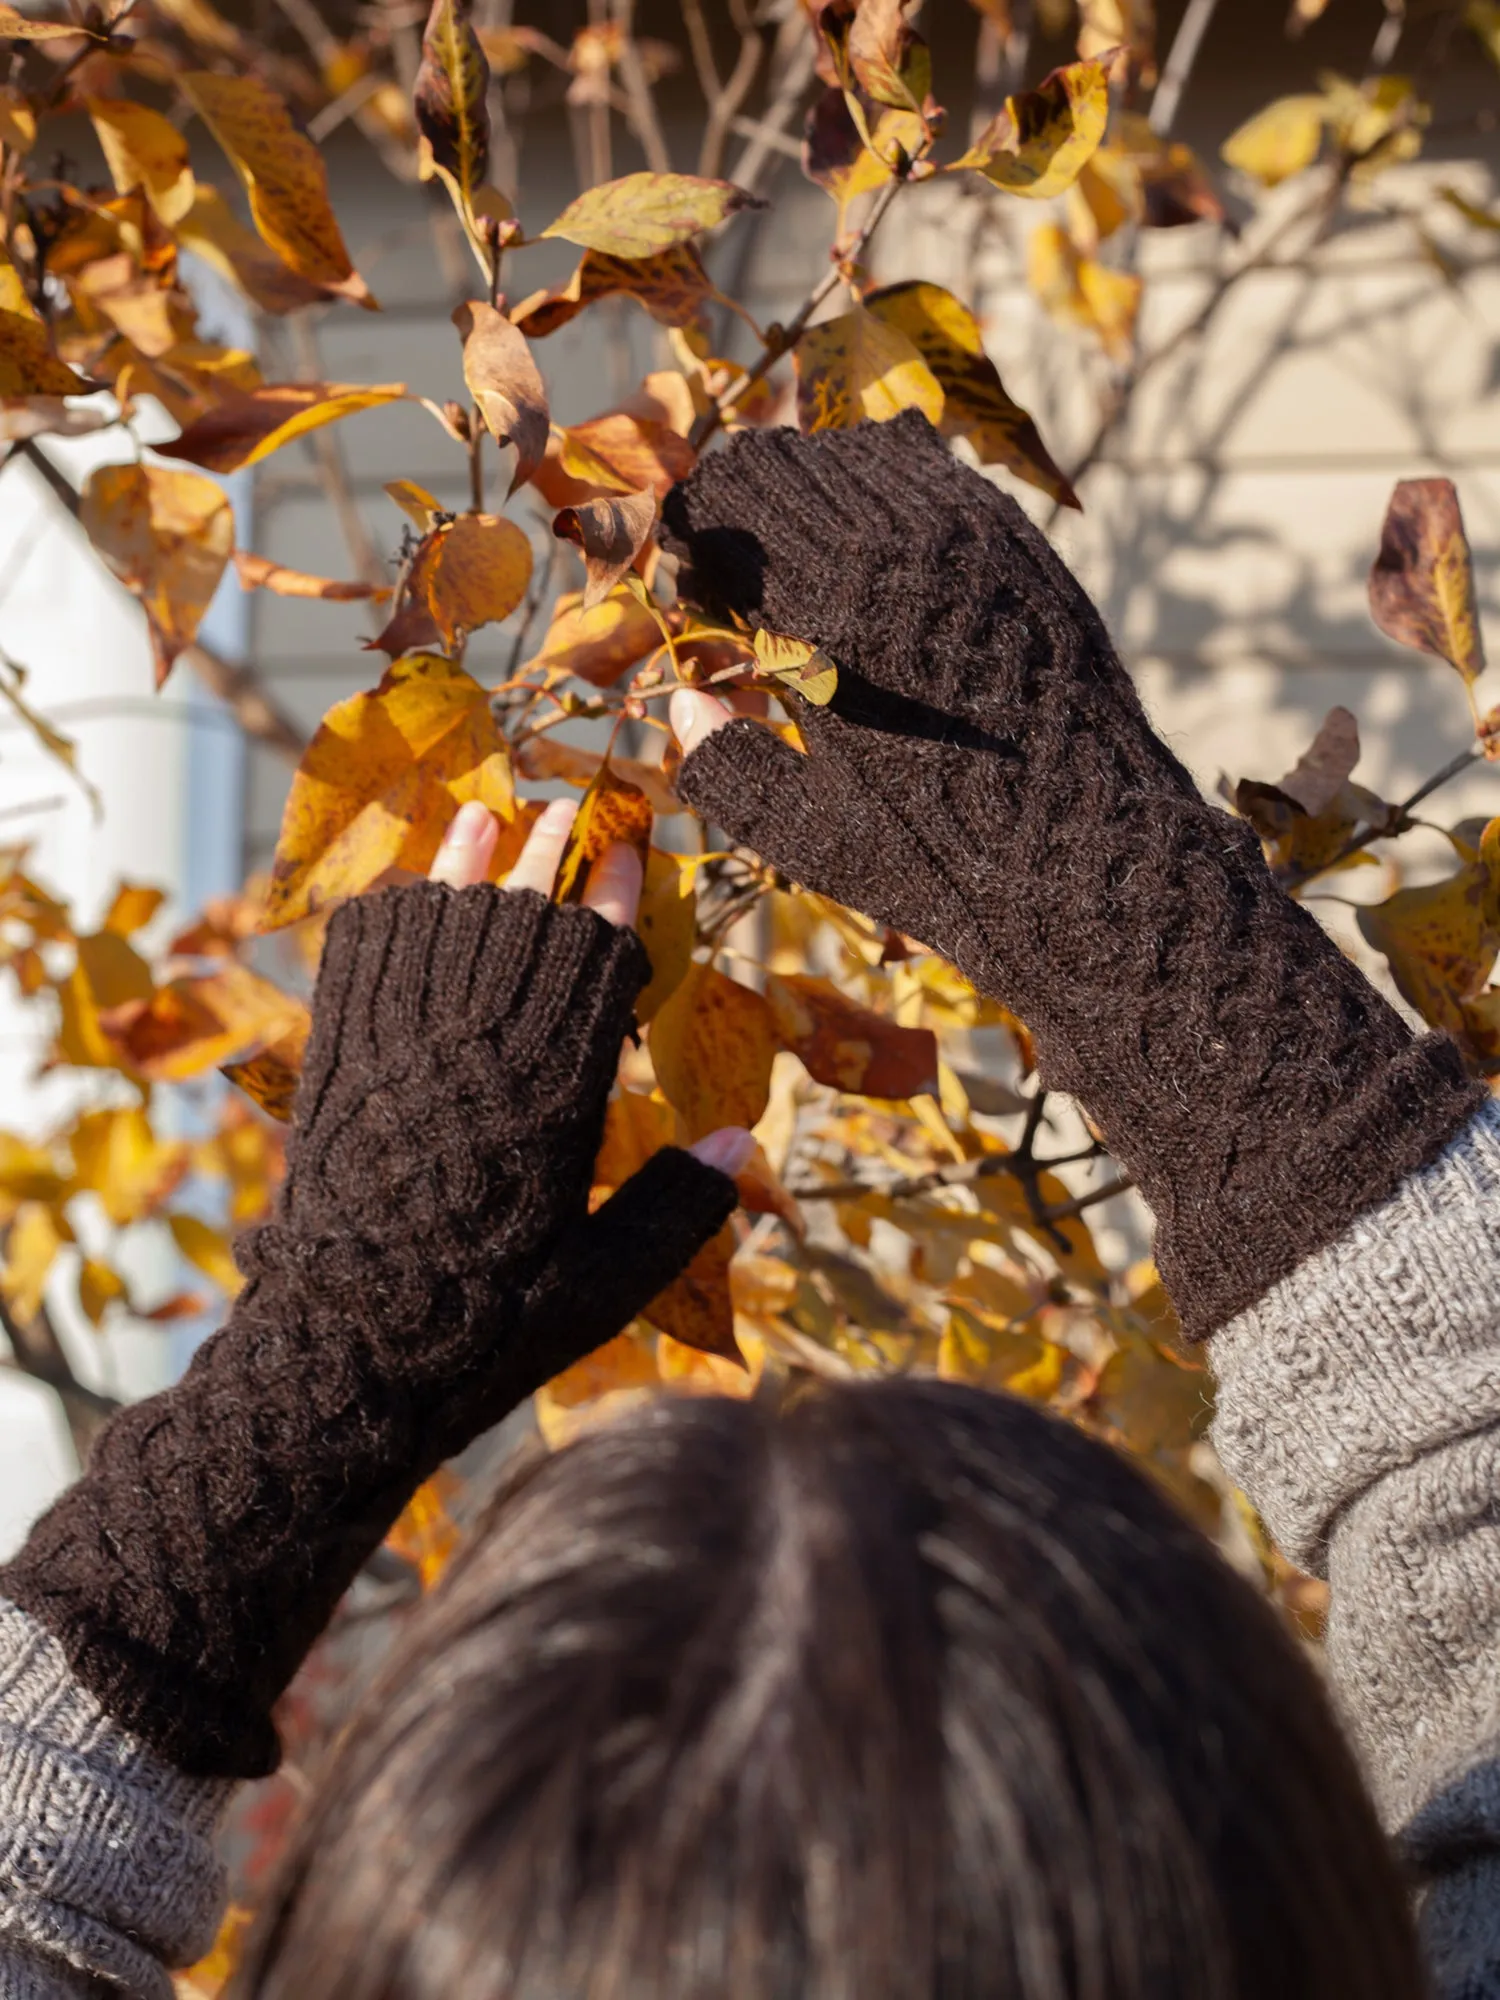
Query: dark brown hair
896, 1691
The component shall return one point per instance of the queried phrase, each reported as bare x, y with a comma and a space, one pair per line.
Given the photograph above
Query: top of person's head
897, 1691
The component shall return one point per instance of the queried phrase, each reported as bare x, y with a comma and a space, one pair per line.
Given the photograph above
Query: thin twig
1178, 66
238, 687
787, 340
778, 115
642, 114
724, 100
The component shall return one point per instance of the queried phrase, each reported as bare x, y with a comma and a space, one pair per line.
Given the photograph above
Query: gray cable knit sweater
1359, 1406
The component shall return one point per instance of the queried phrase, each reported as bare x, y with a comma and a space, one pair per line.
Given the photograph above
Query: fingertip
614, 885
467, 847
695, 715
728, 1149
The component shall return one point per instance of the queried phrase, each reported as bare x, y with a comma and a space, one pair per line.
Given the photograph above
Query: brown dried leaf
890, 63
450, 99
1422, 582
975, 404
167, 535
216, 234
698, 1308
642, 214
192, 1025
847, 1046
672, 286
271, 1076
506, 384
611, 534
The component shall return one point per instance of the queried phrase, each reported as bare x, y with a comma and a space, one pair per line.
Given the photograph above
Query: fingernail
469, 825
727, 1149
685, 713
560, 812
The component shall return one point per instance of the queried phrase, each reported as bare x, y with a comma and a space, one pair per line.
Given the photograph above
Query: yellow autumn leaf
108, 972
471, 571
612, 811
597, 1388
856, 366
1279, 141
672, 285
208, 1250
167, 535
712, 1045
1441, 940
600, 644
416, 503
243, 429
426, 1534
666, 924
697, 1309
18, 27
118, 1156
975, 404
380, 781
642, 214
1040, 139
144, 150
28, 1172
31, 1246
283, 174
99, 1287
1080, 291
215, 233
28, 366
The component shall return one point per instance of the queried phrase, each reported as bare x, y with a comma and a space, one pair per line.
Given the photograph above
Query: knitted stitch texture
430, 1264
107, 1864
986, 780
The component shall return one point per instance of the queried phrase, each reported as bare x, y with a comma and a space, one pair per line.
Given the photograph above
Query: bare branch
641, 111
39, 1353
725, 100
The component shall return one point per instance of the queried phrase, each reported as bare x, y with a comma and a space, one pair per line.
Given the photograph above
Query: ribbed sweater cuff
107, 1859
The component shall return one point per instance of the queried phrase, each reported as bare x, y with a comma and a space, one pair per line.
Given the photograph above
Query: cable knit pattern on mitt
430, 1264
107, 1866
986, 780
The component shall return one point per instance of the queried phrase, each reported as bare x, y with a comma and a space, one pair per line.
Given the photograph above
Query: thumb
607, 1267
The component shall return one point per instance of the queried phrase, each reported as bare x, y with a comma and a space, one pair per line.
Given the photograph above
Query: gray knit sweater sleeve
1359, 1408
107, 1868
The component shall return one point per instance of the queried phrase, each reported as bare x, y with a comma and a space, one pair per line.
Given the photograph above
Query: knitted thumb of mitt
986, 779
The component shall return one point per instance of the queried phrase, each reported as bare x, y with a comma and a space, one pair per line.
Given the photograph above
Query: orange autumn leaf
167, 535
193, 1025
698, 1308
713, 1044
243, 429
260, 573
621, 453
426, 1534
612, 810
848, 1046
380, 781
283, 174
471, 571
599, 645
270, 1077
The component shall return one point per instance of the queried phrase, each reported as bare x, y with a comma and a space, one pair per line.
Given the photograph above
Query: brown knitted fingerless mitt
430, 1264
986, 780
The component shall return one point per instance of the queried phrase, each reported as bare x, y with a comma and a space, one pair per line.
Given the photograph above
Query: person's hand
613, 890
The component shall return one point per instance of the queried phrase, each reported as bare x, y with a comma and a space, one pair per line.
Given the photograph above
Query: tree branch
238, 687
40, 1354
1360, 840
641, 112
